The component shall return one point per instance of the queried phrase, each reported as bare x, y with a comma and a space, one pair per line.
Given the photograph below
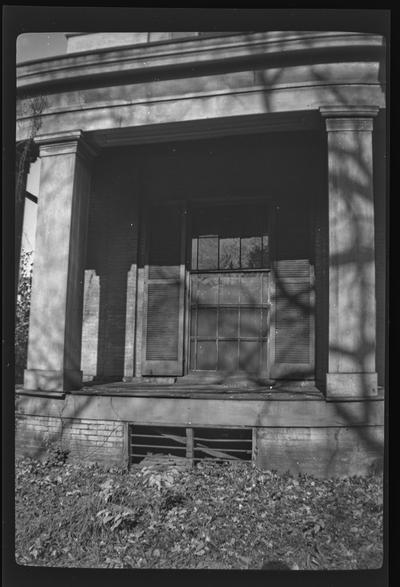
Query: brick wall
91, 440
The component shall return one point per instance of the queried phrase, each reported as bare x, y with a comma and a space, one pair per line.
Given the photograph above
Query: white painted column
55, 328
352, 303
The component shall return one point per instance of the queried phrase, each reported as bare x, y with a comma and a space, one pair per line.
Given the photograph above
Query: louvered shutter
163, 320
292, 324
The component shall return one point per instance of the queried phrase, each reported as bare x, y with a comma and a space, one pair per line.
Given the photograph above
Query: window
229, 289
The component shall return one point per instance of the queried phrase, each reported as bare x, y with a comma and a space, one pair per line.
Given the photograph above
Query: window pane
264, 323
207, 322
251, 252
249, 356
228, 322
251, 289
263, 358
204, 289
207, 355
228, 355
229, 289
265, 251
229, 253
208, 253
265, 288
194, 253
250, 322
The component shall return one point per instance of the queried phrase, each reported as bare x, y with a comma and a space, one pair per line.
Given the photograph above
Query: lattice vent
193, 444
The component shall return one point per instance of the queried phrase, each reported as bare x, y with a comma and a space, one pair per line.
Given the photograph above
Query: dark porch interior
282, 171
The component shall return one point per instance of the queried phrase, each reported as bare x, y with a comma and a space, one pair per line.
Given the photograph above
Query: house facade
209, 275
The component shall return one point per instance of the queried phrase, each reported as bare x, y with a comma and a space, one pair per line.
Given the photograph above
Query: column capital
67, 143
348, 118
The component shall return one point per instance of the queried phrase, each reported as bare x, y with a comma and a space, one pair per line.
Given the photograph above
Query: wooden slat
202, 447
213, 452
208, 460
154, 446
202, 438
148, 454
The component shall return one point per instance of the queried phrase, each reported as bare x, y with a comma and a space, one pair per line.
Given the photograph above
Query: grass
211, 516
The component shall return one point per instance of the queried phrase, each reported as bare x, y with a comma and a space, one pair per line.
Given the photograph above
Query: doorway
229, 290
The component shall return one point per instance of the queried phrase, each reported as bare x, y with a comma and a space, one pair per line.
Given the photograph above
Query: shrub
22, 314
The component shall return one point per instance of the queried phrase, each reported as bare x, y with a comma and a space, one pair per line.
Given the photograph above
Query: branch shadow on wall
354, 259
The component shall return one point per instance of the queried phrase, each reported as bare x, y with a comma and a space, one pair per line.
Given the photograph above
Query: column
352, 303
55, 327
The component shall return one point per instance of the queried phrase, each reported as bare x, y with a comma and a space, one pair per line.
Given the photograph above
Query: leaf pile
211, 516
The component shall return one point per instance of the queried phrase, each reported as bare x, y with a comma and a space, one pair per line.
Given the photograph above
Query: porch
212, 252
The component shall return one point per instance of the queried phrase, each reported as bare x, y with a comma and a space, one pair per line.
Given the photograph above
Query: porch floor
279, 391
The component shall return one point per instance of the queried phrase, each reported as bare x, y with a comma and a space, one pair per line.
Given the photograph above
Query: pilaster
55, 328
352, 303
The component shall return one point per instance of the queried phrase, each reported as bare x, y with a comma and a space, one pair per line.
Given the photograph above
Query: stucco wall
203, 78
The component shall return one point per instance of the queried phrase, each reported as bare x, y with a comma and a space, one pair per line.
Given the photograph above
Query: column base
355, 385
46, 380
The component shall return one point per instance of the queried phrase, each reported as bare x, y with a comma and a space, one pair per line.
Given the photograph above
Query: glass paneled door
229, 290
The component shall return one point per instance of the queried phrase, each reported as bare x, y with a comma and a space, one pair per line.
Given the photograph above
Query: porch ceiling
198, 129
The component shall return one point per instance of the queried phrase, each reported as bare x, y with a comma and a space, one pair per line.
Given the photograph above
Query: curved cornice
191, 55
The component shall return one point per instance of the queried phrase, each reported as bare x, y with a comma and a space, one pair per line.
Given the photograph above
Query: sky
36, 46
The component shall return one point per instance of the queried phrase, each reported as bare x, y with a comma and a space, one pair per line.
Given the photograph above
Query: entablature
193, 53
